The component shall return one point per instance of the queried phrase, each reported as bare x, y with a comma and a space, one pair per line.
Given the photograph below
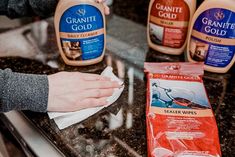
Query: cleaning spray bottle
212, 35
168, 22
80, 31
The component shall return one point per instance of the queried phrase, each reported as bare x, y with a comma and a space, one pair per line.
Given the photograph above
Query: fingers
100, 1
106, 8
93, 77
102, 84
98, 93
93, 102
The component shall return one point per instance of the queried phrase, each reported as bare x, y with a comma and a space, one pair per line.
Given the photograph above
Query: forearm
23, 91
21, 8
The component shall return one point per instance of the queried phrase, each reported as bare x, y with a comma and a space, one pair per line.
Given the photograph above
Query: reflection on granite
154, 56
118, 130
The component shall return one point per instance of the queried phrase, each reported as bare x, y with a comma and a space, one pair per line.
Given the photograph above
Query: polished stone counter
118, 130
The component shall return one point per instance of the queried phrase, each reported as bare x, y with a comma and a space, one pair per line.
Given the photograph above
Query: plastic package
180, 121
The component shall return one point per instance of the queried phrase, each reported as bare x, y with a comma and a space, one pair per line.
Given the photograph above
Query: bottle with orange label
80, 31
168, 22
212, 37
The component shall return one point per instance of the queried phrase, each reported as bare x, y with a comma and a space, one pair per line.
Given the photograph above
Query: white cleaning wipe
65, 119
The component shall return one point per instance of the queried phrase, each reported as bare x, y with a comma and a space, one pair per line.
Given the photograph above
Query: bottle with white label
212, 37
168, 22
80, 31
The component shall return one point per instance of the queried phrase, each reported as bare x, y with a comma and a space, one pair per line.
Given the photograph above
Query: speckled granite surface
120, 129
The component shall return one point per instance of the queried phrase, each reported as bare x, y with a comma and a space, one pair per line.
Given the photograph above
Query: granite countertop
118, 130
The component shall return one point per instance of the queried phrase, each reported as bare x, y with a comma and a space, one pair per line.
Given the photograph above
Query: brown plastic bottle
212, 37
168, 22
80, 31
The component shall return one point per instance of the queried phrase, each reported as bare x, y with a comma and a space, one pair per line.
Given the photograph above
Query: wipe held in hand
67, 119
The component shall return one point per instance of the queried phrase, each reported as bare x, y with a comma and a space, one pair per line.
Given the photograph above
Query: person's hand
72, 91
106, 8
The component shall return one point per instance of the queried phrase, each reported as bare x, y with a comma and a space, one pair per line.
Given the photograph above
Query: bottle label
169, 21
213, 37
82, 32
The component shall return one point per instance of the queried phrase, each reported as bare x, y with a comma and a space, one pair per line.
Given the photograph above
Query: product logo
219, 15
216, 24
168, 11
81, 12
83, 21
173, 67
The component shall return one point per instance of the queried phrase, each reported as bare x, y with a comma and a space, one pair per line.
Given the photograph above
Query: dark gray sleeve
21, 8
23, 91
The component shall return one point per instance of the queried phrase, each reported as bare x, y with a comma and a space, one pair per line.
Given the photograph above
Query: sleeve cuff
25, 92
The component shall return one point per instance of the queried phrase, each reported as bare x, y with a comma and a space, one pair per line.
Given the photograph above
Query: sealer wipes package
180, 121
65, 119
